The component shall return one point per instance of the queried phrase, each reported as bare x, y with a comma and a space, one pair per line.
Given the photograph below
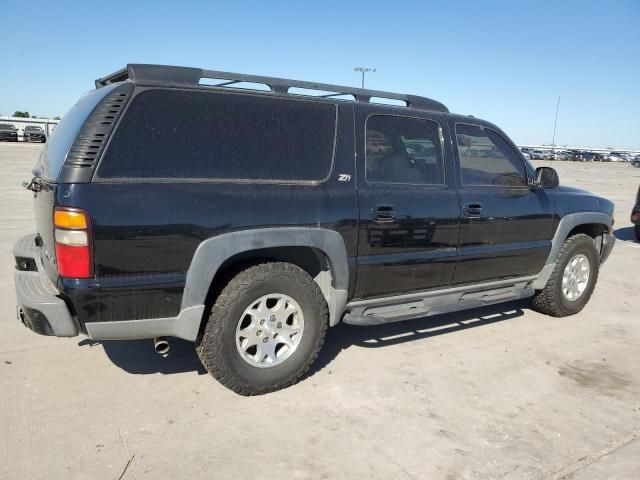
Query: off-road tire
550, 299
216, 346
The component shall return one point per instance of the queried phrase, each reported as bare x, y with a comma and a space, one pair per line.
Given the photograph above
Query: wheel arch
320, 252
594, 224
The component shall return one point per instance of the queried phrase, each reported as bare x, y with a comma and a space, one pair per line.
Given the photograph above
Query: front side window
403, 150
195, 134
486, 159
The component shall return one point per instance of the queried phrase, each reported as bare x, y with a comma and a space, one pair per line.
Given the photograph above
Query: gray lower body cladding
39, 306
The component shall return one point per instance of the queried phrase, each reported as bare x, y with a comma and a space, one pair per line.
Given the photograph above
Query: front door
506, 226
409, 210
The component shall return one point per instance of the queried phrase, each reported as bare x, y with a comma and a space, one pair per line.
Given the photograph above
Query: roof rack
163, 74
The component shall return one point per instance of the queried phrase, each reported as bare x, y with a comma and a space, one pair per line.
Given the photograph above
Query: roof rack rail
163, 74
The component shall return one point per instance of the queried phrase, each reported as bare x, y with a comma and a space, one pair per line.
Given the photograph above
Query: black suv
8, 133
250, 221
635, 215
34, 134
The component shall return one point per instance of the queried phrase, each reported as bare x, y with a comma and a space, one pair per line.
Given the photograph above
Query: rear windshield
52, 158
192, 134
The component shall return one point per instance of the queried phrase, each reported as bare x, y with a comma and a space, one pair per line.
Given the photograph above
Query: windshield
53, 155
4, 126
35, 129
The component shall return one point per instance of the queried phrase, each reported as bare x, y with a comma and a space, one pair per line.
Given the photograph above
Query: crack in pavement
569, 471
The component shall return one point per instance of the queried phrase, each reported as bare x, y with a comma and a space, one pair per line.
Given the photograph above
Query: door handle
472, 210
383, 213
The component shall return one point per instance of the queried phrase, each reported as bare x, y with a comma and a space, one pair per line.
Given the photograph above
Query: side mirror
547, 177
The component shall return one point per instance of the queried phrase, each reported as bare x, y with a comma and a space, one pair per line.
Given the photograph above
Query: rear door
506, 226
409, 211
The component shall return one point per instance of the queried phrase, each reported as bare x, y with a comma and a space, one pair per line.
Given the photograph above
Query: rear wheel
265, 329
573, 279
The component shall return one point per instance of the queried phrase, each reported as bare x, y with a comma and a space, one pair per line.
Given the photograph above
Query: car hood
578, 200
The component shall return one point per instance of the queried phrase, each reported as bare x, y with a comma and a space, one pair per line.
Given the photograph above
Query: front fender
566, 224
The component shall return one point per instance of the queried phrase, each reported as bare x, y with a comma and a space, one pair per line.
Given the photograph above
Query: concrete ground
501, 392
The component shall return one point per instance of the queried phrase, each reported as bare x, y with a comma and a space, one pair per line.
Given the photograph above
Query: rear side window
183, 134
486, 159
403, 150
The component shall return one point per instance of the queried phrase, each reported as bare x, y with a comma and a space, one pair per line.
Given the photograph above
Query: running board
407, 307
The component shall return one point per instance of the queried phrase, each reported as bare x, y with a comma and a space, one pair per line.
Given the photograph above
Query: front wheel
265, 329
573, 279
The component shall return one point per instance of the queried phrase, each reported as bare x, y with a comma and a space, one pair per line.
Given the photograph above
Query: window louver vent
91, 140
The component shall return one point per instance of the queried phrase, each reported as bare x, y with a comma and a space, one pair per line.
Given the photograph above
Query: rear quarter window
187, 134
53, 155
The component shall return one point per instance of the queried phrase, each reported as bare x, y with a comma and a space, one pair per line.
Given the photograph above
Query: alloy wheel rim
575, 277
269, 330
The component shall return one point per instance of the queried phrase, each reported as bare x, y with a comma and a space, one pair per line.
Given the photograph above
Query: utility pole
555, 124
363, 70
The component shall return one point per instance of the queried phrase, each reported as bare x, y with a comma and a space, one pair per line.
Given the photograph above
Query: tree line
20, 114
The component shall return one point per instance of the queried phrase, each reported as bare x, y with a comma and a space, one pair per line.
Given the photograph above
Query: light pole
555, 124
364, 70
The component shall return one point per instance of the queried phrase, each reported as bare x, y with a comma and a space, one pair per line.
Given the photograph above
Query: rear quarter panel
145, 233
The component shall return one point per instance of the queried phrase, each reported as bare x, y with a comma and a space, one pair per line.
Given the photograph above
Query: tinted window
212, 135
403, 150
487, 159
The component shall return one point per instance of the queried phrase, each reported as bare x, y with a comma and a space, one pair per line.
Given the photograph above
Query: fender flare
566, 224
213, 252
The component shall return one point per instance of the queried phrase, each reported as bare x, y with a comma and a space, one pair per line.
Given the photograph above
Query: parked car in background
578, 156
623, 156
8, 133
635, 214
591, 157
34, 134
539, 155
636, 162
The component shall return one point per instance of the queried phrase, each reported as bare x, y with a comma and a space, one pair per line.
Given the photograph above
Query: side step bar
417, 305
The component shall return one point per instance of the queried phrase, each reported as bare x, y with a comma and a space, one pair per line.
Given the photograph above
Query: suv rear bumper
39, 306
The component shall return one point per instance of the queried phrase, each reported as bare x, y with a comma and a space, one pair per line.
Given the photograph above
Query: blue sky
506, 62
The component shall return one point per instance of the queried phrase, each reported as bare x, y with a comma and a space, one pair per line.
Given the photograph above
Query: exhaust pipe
161, 346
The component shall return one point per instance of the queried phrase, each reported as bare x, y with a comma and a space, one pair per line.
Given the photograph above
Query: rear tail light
73, 243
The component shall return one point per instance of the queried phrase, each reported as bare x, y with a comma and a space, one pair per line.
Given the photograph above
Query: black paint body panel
417, 250
145, 233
